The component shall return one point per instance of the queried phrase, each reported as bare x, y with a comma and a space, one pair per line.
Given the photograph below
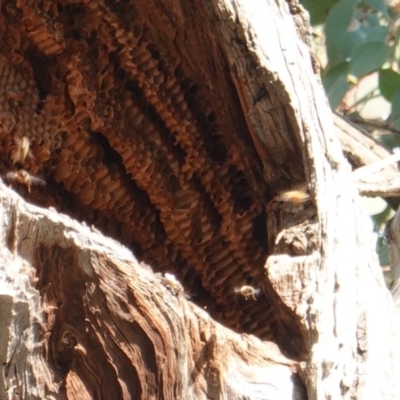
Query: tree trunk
197, 136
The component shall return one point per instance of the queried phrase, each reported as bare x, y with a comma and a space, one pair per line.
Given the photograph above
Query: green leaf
336, 94
318, 10
389, 83
343, 31
378, 5
368, 58
335, 83
395, 114
381, 219
376, 34
383, 253
390, 140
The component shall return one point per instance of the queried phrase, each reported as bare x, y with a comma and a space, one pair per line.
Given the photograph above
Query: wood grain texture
139, 123
108, 327
172, 127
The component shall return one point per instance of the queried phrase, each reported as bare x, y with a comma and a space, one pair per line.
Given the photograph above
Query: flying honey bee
248, 292
299, 195
25, 178
21, 150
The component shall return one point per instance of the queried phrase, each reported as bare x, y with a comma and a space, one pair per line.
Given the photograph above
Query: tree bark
377, 170
174, 128
84, 320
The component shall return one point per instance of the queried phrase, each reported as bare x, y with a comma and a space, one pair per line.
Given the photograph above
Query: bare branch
363, 151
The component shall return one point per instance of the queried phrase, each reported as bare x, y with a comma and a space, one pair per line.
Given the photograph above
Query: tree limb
363, 151
103, 317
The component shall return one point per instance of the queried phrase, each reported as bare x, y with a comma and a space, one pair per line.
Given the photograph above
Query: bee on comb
25, 178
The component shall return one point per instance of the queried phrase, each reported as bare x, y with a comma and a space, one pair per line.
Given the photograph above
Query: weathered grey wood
377, 173
346, 309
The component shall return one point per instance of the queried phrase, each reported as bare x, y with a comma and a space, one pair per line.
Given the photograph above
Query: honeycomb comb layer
146, 148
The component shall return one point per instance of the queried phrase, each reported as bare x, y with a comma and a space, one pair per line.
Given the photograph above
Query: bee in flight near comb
248, 292
21, 150
25, 178
299, 195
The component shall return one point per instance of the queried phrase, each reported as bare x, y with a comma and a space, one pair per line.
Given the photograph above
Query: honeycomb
135, 126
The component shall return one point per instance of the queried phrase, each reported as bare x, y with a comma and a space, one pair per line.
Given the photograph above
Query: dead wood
172, 127
374, 175
82, 319
392, 234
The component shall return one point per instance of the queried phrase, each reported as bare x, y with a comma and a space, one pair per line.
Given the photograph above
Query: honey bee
11, 10
19, 153
25, 178
58, 31
248, 292
171, 283
299, 195
14, 98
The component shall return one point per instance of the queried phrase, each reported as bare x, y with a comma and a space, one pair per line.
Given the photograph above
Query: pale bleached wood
372, 180
349, 314
376, 168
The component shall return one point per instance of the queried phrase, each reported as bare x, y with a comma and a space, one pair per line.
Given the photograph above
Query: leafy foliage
361, 42
361, 38
318, 10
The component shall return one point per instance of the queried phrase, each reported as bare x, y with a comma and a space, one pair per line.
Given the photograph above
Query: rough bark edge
392, 234
373, 178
